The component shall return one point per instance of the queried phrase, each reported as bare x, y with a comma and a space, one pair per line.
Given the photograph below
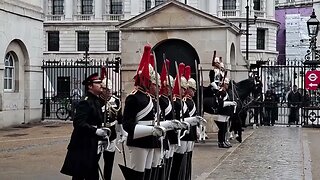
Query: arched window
9, 73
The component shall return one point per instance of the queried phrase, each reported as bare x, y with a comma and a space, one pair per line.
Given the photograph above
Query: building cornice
22, 9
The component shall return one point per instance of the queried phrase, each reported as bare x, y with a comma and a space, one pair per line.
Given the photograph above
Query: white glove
176, 124
103, 132
214, 85
229, 103
185, 125
201, 120
158, 131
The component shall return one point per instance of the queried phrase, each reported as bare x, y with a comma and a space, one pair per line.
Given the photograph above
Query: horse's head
243, 88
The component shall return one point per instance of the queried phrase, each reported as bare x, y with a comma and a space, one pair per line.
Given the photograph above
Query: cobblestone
270, 153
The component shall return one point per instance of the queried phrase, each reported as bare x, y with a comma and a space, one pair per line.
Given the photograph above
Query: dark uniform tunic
82, 159
112, 115
166, 114
179, 113
192, 136
135, 111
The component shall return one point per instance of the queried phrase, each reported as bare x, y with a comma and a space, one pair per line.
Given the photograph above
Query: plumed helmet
217, 60
222, 65
106, 83
171, 81
179, 75
143, 76
192, 83
184, 82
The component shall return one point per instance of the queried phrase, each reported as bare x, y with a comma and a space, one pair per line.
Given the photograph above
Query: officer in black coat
81, 161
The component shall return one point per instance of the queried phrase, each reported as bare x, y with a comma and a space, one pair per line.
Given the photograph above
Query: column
98, 9
68, 10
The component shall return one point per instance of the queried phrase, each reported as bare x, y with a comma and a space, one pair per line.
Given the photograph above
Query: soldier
138, 121
81, 161
168, 115
111, 107
192, 136
225, 110
215, 74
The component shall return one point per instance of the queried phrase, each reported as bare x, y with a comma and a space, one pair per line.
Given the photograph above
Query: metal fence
280, 79
62, 84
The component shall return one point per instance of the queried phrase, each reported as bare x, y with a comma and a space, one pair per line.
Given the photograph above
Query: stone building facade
21, 29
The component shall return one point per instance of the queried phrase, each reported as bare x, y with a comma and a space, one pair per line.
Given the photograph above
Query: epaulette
86, 98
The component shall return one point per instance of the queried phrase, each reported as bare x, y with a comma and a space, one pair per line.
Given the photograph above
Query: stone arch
22, 79
176, 50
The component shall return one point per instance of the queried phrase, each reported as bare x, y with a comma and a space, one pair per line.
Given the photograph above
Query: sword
181, 105
169, 83
201, 80
198, 92
158, 106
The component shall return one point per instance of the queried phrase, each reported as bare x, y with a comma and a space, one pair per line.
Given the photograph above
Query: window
261, 35
115, 6
86, 6
83, 40
9, 74
229, 5
113, 41
148, 4
256, 5
57, 7
158, 2
53, 41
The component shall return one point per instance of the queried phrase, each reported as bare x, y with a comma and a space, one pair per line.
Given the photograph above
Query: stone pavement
269, 153
37, 152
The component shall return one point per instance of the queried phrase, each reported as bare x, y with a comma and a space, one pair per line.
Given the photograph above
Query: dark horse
239, 92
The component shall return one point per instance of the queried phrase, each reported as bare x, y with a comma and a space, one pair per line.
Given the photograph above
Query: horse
239, 92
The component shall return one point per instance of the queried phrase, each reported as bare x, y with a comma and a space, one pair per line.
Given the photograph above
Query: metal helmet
192, 83
184, 82
106, 83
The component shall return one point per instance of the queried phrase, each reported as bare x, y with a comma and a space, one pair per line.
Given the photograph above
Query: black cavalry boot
108, 164
175, 167
130, 174
147, 174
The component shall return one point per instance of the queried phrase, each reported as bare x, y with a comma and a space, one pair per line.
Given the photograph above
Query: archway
176, 50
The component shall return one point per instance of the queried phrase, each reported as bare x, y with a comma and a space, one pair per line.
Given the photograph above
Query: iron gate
62, 88
280, 79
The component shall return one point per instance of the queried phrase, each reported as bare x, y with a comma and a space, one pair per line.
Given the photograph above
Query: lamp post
313, 29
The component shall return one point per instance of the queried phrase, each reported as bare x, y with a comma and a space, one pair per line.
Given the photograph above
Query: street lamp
313, 29
313, 25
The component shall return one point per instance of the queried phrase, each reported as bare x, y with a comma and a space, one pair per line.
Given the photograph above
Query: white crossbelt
147, 123
145, 111
168, 109
193, 110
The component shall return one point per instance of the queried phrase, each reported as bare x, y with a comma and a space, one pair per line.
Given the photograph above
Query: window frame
83, 40
7, 80
113, 42
257, 5
147, 5
53, 44
229, 5
86, 6
116, 7
261, 39
57, 7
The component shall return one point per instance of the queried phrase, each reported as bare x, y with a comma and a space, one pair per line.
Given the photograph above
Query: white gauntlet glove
103, 132
123, 134
229, 103
158, 131
201, 120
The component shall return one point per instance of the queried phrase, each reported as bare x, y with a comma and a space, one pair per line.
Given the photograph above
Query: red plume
103, 72
142, 77
151, 60
187, 72
163, 75
179, 74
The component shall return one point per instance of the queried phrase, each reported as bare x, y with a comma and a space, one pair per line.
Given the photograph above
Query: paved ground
37, 152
